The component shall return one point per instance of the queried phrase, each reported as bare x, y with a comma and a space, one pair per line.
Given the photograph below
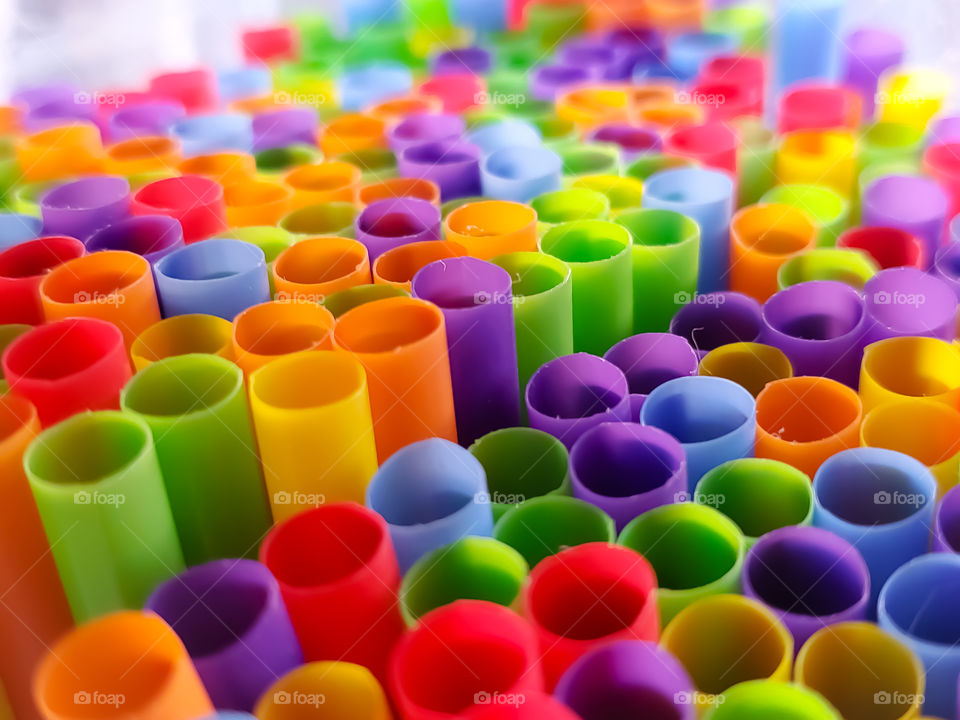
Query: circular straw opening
182, 385
650, 359
461, 283
533, 273
395, 218
185, 191
574, 387
400, 188
919, 600
342, 377
211, 260
806, 409
816, 310
522, 163
698, 409
342, 540
319, 260
932, 366
384, 326
926, 430
80, 345
490, 218
685, 185
87, 448
586, 241
658, 228
320, 219
400, 264
562, 206
94, 276
182, 335
35, 258
622, 460
718, 319
522, 462
143, 235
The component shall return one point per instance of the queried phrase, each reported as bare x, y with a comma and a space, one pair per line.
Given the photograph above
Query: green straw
829, 211
196, 408
768, 699
560, 206
750, 23
557, 133
276, 160
521, 463
650, 163
450, 205
600, 259
590, 159
9, 333
853, 267
546, 525
101, 497
332, 218
473, 568
542, 311
340, 302
376, 164
695, 550
758, 495
551, 23
665, 252
886, 142
756, 159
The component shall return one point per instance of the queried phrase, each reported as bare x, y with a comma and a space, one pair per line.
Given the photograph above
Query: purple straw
477, 304
820, 326
945, 130
36, 95
454, 165
156, 118
571, 394
595, 54
869, 51
649, 360
548, 81
393, 222
475, 60
60, 112
909, 202
628, 679
283, 128
908, 302
150, 236
81, 207
809, 577
946, 265
718, 318
626, 469
234, 624
633, 141
424, 127
946, 523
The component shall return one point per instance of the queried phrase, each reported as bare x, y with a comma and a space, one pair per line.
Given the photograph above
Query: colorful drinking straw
626, 469
182, 335
22, 269
332, 181
857, 667
150, 236
390, 223
880, 500
476, 568
599, 256
901, 367
818, 157
399, 265
535, 705
829, 211
60, 152
197, 202
520, 173
821, 326
197, 411
650, 359
263, 332
911, 203
289, 406
8, 333
322, 591
908, 302
79, 208
91, 667
220, 276
706, 196
123, 539
453, 165
758, 494
201, 134
809, 577
345, 690
756, 699
16, 228
149, 119
560, 206
327, 219
503, 134
239, 636
805, 420
915, 607
695, 551
35, 611
946, 536
571, 394
868, 53
724, 640
87, 373
488, 228
223, 167
713, 418
888, 246
665, 252
570, 629
806, 41
112, 285
627, 678
477, 304
455, 655
751, 365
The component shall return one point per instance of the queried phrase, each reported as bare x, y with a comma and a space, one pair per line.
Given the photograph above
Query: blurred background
99, 44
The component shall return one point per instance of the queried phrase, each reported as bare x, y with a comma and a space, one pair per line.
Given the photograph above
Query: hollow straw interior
396, 218
211, 260
889, 246
822, 310
948, 519
280, 328
342, 539
490, 218
811, 573
695, 412
908, 301
585, 161
522, 163
624, 460
319, 260
184, 192
80, 345
88, 448
182, 385
926, 430
35, 258
388, 326
320, 219
94, 276
916, 367
323, 177
628, 137
718, 319
343, 378
806, 409
576, 387
684, 186
920, 598
562, 206
588, 241
521, 462
533, 273
142, 235
181, 335
650, 359
689, 546
400, 264
343, 301
462, 283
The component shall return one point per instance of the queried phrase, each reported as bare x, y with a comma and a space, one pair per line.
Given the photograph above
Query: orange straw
316, 267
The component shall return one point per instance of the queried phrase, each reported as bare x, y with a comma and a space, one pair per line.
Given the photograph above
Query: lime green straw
750, 23
560, 206
767, 699
332, 218
376, 164
546, 525
756, 159
829, 211
590, 159
340, 302
650, 163
885, 142
853, 267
